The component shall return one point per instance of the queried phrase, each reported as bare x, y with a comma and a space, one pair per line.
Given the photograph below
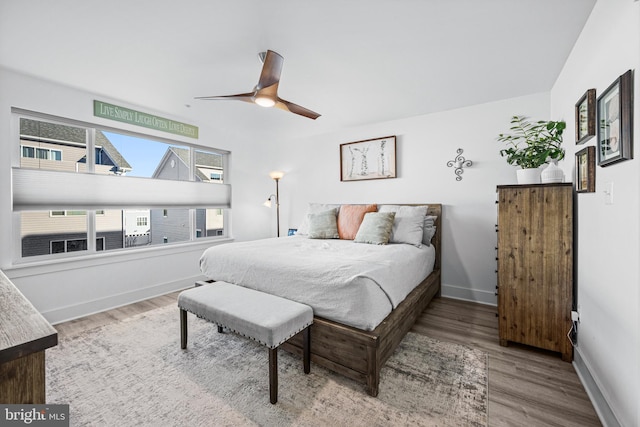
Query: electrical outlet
575, 316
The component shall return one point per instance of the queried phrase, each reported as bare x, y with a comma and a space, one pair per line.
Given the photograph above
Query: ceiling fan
265, 93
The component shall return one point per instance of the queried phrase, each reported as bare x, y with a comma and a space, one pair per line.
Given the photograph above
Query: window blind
37, 189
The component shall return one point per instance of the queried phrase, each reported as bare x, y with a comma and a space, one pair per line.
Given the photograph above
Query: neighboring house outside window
61, 147
64, 148
172, 225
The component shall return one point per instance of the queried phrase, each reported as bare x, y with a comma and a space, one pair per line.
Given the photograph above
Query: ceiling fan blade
296, 109
247, 97
266, 91
271, 70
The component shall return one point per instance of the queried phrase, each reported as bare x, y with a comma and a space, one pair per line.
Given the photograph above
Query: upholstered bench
265, 318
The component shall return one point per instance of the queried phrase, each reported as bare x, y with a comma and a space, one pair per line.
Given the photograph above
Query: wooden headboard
436, 210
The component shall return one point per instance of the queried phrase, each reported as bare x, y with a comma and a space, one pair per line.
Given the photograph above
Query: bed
368, 299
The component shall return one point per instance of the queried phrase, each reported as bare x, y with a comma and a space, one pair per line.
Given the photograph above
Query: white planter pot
528, 176
552, 173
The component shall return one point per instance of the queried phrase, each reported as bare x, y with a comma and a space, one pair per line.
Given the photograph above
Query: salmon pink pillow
350, 217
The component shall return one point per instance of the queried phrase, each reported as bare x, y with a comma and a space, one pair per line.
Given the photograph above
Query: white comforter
352, 283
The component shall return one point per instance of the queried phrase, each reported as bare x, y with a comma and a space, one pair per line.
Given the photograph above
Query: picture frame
615, 121
586, 117
368, 159
585, 178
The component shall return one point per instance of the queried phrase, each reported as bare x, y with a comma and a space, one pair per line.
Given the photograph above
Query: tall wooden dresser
535, 265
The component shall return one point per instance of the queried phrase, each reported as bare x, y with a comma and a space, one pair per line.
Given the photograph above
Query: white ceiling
354, 62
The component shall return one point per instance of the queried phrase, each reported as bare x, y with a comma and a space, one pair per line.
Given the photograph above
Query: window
54, 145
58, 246
72, 213
41, 153
74, 245
28, 152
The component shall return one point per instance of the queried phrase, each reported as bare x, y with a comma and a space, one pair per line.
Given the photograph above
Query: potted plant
531, 145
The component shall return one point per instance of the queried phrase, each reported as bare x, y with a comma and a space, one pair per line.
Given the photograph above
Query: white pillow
408, 225
303, 229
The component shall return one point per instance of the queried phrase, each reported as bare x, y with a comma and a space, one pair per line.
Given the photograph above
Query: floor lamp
275, 175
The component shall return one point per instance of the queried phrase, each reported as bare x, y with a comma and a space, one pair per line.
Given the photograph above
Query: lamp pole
277, 208
276, 175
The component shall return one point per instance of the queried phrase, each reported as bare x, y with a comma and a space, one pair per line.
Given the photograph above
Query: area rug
133, 373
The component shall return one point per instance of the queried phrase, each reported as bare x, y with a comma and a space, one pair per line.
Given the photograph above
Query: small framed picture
368, 159
586, 117
585, 181
615, 121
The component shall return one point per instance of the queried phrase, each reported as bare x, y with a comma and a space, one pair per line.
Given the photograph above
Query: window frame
92, 234
36, 150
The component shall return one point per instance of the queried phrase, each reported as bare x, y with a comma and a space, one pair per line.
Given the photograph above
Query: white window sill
26, 269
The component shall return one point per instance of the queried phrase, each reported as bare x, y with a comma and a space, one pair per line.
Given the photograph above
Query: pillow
350, 218
314, 208
408, 226
429, 229
322, 225
375, 228
422, 209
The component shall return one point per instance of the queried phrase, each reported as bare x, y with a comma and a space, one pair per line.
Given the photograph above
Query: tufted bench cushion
265, 318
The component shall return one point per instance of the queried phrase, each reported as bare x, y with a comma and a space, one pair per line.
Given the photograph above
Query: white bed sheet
352, 283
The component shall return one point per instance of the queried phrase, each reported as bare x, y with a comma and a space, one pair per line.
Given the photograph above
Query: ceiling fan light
263, 101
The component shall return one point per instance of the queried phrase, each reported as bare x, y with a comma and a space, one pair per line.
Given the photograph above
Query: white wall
65, 290
424, 145
608, 235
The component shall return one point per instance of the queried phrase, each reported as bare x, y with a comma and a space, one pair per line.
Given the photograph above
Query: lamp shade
276, 174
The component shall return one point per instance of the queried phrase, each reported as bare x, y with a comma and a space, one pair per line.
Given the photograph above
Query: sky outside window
142, 154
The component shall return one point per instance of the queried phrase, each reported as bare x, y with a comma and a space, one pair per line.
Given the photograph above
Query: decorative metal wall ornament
459, 163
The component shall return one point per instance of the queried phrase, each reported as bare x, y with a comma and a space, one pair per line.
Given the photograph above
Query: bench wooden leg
273, 374
306, 349
183, 329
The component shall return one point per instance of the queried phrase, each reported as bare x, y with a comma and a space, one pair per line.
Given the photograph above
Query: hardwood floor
527, 387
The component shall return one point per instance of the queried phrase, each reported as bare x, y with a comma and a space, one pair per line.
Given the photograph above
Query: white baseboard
86, 308
466, 294
606, 415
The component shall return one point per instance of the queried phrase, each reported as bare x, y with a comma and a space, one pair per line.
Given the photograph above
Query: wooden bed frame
359, 354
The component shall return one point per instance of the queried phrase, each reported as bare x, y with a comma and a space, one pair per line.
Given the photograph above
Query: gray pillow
303, 229
323, 225
375, 228
429, 229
